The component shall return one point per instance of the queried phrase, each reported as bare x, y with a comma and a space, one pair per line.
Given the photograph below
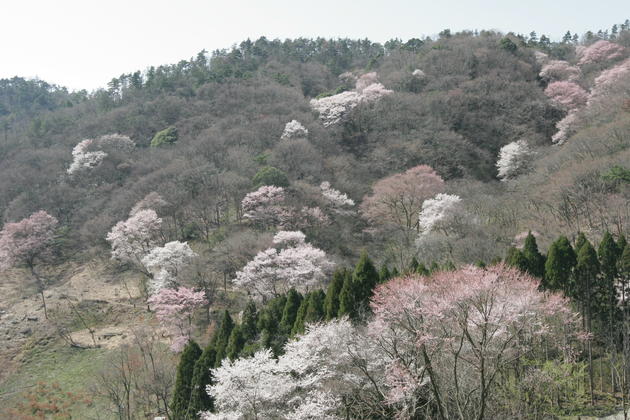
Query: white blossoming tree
294, 130
296, 264
90, 153
164, 263
438, 212
514, 159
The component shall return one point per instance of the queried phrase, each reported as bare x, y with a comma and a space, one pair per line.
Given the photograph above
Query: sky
83, 44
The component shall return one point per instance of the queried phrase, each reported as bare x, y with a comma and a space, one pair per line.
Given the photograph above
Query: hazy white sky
84, 43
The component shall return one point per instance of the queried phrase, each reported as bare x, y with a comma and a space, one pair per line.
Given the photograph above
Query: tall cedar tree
315, 308
535, 260
365, 278
515, 258
331, 304
559, 266
250, 319
222, 337
621, 244
623, 269
235, 344
586, 272
294, 299
183, 381
579, 241
298, 325
413, 265
200, 400
608, 254
348, 298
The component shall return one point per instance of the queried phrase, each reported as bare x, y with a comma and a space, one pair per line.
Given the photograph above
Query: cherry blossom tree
294, 130
599, 52
165, 263
131, 240
609, 80
451, 336
296, 264
26, 243
566, 127
557, 70
174, 309
418, 73
152, 201
90, 153
438, 212
338, 201
333, 109
398, 198
568, 95
514, 159
327, 357
263, 207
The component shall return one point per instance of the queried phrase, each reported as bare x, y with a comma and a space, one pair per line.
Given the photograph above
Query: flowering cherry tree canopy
599, 52
557, 70
332, 109
264, 206
514, 158
294, 130
24, 241
135, 237
89, 153
273, 271
338, 200
437, 212
568, 95
174, 309
165, 262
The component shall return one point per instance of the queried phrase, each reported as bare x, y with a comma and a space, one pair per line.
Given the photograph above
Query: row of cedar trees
598, 282
277, 321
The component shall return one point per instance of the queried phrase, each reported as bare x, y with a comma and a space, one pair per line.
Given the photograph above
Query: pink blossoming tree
174, 309
26, 243
452, 335
599, 52
263, 207
568, 95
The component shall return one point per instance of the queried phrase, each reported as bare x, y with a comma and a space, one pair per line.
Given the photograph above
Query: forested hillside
316, 228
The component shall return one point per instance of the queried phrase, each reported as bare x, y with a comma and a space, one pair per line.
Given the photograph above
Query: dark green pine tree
422, 270
294, 299
394, 273
365, 278
202, 376
332, 294
623, 269
221, 338
315, 308
608, 254
434, 267
298, 325
535, 261
384, 274
348, 298
559, 266
249, 329
480, 264
515, 258
579, 241
235, 344
183, 380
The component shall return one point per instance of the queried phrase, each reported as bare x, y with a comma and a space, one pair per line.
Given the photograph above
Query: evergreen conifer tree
621, 244
535, 261
384, 274
183, 380
298, 325
221, 338
235, 344
347, 298
560, 262
315, 308
413, 266
365, 278
579, 241
202, 376
294, 299
515, 258
249, 330
332, 294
